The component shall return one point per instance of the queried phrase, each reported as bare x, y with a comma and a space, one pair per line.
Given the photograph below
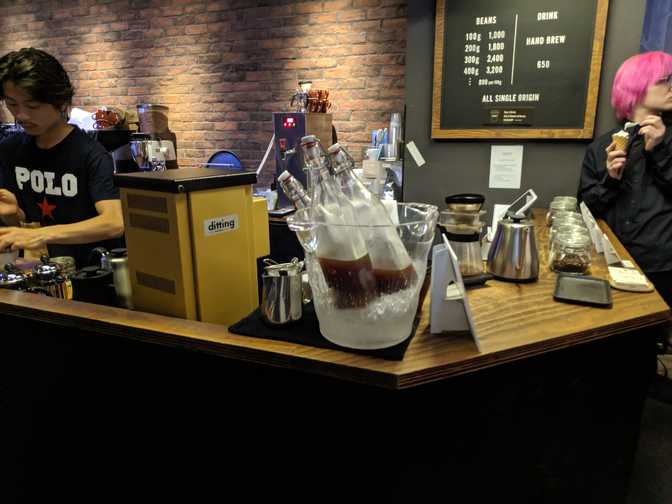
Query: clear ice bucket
385, 319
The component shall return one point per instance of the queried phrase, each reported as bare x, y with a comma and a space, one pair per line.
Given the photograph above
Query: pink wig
634, 77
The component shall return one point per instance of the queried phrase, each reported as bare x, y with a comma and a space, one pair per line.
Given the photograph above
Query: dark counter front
100, 402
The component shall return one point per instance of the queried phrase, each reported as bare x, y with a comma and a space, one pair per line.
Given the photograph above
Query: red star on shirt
47, 209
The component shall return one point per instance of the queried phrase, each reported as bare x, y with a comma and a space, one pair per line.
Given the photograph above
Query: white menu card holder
593, 228
449, 310
610, 254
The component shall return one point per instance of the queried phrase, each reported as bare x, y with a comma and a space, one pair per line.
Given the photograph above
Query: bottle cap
308, 139
285, 175
334, 148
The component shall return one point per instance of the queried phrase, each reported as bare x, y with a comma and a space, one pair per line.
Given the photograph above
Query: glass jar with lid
567, 201
564, 229
564, 217
563, 204
571, 253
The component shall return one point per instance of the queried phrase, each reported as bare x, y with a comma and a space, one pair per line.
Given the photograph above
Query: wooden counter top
514, 321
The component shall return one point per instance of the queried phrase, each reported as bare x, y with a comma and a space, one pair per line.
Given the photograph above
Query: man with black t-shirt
53, 173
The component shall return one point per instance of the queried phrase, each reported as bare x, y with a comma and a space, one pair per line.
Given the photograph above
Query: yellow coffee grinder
193, 237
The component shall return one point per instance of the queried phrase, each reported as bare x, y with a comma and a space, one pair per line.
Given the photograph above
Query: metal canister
12, 278
282, 300
49, 279
118, 261
94, 285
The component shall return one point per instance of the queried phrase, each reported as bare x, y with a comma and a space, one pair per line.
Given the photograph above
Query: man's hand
615, 161
16, 238
653, 130
9, 207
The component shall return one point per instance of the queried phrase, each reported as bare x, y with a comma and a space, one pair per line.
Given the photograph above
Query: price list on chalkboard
517, 65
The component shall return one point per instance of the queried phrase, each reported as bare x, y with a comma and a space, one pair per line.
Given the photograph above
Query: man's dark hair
39, 74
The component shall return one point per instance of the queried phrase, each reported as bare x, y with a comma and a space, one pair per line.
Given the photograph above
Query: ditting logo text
220, 225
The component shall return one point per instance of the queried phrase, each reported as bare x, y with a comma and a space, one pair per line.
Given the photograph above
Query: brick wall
223, 67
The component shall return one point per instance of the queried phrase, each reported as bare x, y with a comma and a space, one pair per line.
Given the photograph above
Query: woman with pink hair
631, 188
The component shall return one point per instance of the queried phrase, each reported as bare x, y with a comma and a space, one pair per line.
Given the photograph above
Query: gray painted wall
551, 168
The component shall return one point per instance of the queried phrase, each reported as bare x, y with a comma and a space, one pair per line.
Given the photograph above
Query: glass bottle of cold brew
294, 190
341, 249
392, 266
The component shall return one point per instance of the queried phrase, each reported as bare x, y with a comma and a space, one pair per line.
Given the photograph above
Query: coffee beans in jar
571, 253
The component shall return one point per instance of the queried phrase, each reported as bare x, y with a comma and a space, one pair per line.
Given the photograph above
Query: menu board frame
580, 132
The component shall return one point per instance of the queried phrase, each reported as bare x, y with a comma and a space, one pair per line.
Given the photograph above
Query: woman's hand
615, 161
15, 238
653, 130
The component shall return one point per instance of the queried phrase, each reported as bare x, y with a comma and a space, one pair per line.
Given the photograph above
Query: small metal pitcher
281, 300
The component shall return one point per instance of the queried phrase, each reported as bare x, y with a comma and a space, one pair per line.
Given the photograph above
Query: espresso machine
193, 237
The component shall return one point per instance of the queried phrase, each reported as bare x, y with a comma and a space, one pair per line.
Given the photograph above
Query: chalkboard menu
517, 68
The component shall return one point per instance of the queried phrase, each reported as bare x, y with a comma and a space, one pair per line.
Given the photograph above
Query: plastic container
386, 319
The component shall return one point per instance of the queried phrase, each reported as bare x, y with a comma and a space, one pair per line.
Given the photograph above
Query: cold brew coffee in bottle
392, 266
341, 249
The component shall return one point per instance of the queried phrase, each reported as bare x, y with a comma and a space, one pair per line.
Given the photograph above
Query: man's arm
109, 223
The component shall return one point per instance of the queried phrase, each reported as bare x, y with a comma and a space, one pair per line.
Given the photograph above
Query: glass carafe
463, 230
